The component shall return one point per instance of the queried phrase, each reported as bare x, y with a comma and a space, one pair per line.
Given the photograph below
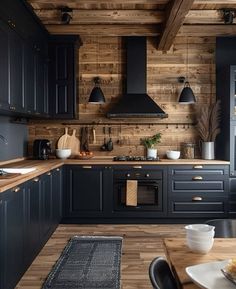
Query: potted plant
208, 127
150, 143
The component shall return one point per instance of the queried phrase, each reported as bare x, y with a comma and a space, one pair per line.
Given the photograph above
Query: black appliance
134, 158
41, 149
136, 102
149, 189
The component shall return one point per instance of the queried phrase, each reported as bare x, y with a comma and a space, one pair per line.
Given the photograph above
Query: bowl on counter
63, 153
173, 155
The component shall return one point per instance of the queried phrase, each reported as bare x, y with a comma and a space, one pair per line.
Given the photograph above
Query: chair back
224, 228
160, 275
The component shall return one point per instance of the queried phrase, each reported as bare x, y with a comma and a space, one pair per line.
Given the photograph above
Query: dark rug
88, 262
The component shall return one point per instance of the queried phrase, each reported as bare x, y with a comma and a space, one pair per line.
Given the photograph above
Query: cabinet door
16, 72
62, 76
85, 195
56, 196
29, 79
1, 243
46, 206
40, 85
32, 235
12, 233
4, 69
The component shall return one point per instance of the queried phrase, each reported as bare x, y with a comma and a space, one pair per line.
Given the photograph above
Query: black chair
161, 276
224, 228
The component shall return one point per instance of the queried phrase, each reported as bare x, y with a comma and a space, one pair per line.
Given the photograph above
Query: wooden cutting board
63, 140
73, 143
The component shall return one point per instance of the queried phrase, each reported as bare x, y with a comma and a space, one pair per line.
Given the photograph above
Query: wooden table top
180, 256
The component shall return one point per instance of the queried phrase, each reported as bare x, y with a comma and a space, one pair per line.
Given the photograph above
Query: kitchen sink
22, 171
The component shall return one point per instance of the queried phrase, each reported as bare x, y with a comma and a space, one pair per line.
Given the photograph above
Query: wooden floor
141, 244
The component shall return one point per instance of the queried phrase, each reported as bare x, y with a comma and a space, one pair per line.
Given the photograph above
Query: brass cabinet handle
196, 199
197, 178
137, 167
197, 167
15, 190
86, 167
49, 174
58, 170
36, 180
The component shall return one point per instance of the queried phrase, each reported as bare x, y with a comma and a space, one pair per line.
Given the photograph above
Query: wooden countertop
180, 256
45, 166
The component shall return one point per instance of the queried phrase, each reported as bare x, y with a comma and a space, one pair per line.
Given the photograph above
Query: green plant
150, 142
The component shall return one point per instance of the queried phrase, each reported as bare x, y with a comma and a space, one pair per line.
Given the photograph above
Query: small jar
188, 151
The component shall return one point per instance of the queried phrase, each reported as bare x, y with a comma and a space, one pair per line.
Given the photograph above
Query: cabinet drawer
198, 185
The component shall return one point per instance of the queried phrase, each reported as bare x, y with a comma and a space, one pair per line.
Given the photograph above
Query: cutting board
73, 143
63, 140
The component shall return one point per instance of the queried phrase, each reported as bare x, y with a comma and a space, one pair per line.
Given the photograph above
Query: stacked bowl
200, 237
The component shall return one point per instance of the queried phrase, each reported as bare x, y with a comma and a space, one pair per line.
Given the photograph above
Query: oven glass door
149, 195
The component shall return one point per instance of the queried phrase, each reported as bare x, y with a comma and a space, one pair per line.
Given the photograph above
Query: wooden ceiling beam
101, 4
105, 30
103, 16
207, 30
175, 16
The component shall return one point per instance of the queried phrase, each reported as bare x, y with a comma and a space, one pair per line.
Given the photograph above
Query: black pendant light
186, 96
96, 95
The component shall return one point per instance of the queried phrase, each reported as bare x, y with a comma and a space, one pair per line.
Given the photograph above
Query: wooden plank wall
104, 57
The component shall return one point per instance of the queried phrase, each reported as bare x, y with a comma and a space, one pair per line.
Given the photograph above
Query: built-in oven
148, 190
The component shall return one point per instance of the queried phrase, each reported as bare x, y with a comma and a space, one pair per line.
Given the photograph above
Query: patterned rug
88, 262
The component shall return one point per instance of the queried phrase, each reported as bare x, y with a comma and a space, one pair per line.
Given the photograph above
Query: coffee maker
41, 149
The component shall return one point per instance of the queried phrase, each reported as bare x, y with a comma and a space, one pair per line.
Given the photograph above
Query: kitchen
97, 48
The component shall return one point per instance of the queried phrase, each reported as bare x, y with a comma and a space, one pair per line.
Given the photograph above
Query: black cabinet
4, 56
63, 52
198, 191
12, 235
28, 216
32, 225
56, 196
84, 191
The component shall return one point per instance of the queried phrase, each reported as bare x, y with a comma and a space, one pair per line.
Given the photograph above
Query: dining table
179, 256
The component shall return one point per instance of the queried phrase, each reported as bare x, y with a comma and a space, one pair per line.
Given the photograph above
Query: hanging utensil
110, 143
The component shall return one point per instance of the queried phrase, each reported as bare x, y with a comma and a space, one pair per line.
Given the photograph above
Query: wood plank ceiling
161, 18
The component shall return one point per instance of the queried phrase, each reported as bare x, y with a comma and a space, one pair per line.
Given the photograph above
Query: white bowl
200, 246
173, 155
63, 153
200, 230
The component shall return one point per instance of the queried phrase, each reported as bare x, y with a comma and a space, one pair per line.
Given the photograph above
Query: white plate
209, 275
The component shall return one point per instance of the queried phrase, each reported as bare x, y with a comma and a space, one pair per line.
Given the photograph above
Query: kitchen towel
131, 192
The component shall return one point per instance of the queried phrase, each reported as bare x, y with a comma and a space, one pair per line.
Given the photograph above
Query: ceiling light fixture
228, 16
66, 15
96, 95
186, 96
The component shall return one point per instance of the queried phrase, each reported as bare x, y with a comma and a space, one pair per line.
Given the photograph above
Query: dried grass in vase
208, 125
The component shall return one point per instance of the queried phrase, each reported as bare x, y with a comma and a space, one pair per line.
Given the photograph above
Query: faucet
3, 139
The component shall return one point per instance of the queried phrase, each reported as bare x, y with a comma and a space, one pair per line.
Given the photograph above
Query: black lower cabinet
12, 236
199, 191
84, 192
29, 215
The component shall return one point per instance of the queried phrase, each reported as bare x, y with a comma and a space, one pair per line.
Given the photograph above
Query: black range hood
136, 102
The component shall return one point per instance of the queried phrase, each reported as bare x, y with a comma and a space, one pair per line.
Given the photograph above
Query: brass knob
198, 167
15, 190
137, 167
197, 178
49, 173
86, 167
58, 170
195, 199
36, 180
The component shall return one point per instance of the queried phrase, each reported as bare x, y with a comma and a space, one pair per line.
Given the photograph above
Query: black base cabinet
85, 192
199, 191
29, 215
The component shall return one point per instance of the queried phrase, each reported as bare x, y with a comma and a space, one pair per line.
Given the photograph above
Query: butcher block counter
44, 166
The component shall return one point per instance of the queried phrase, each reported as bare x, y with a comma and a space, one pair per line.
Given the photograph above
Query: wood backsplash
104, 57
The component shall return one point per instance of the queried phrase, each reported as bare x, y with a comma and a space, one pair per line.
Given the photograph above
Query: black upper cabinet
4, 56
62, 76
